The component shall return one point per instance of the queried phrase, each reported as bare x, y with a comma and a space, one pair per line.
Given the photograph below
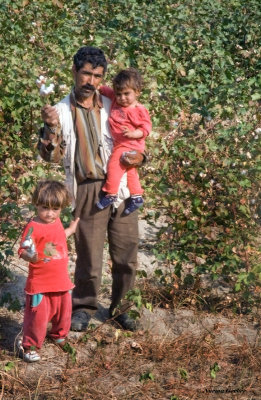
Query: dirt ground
176, 354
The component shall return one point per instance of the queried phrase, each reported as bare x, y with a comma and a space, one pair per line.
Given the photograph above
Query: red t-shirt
132, 117
50, 273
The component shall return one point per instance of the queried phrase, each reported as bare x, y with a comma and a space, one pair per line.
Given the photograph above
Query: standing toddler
48, 285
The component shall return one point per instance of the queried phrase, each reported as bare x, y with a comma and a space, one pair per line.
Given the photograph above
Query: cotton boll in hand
44, 91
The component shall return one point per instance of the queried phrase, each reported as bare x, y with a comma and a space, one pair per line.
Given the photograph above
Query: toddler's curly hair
128, 78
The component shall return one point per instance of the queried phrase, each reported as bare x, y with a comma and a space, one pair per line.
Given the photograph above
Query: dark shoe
80, 320
106, 201
133, 204
125, 322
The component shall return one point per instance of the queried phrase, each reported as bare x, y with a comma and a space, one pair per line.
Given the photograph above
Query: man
76, 129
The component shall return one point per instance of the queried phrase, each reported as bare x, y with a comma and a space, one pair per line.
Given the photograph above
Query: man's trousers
122, 234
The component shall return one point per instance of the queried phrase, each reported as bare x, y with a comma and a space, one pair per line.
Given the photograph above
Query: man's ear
73, 70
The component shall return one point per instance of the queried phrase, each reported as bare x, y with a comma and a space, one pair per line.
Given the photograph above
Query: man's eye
96, 76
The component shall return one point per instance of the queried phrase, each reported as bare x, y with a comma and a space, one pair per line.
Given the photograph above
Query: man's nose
91, 79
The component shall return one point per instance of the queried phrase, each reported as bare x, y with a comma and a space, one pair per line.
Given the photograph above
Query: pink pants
116, 171
55, 308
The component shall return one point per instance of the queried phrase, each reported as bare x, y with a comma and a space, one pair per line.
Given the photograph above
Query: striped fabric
88, 130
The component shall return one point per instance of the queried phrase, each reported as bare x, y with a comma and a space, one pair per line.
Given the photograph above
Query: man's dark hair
91, 55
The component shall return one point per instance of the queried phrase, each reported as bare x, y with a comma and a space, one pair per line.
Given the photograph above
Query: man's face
87, 80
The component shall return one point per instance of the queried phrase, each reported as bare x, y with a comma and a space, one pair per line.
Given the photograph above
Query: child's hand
72, 227
34, 258
137, 134
29, 257
125, 130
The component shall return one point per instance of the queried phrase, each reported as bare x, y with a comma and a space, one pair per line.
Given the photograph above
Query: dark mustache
88, 87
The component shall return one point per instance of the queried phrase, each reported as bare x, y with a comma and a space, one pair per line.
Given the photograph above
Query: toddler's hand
125, 131
72, 227
34, 258
128, 133
29, 257
136, 134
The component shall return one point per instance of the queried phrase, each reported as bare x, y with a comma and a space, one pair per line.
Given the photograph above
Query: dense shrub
201, 65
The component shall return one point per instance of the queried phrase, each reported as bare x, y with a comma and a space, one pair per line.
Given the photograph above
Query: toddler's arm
72, 227
141, 121
107, 91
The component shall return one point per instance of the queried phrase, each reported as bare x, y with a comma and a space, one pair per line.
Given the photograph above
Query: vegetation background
201, 63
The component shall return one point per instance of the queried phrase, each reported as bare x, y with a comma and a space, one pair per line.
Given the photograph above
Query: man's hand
132, 158
50, 115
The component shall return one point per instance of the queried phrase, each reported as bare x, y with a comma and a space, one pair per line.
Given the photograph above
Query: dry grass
112, 365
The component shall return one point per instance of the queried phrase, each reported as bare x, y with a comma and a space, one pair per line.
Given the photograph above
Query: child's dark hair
51, 194
130, 78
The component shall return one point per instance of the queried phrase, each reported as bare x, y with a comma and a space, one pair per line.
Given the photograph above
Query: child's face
48, 215
126, 97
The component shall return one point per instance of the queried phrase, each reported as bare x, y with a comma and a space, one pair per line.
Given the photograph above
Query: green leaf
191, 225
196, 201
183, 374
147, 376
9, 366
256, 96
214, 369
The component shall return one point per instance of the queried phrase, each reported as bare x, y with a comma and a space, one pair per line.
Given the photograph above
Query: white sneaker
27, 355
31, 356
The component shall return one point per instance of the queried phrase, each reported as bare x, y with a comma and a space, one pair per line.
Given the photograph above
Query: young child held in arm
130, 124
48, 285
